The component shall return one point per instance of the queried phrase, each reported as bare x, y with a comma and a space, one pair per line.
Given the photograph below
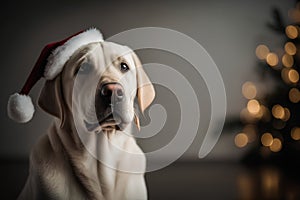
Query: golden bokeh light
262, 51
287, 114
272, 59
294, 95
250, 131
278, 111
249, 90
276, 145
241, 140
287, 60
291, 31
253, 106
290, 48
293, 76
284, 75
295, 133
266, 139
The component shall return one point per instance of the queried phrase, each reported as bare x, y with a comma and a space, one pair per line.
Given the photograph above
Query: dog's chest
59, 182
62, 183
84, 177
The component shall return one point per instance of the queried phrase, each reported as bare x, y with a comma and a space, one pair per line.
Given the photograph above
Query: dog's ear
50, 99
137, 122
145, 89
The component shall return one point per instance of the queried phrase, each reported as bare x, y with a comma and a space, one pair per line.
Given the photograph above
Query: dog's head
99, 85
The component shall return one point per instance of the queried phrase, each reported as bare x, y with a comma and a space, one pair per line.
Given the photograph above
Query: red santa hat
49, 64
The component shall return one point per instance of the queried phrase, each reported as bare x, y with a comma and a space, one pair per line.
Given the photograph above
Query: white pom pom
20, 108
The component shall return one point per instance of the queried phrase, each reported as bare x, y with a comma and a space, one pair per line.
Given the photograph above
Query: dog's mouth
109, 122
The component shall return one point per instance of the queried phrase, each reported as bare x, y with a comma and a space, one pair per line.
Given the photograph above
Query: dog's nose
112, 91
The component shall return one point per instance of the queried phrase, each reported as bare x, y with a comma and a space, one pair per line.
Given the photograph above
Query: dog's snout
112, 90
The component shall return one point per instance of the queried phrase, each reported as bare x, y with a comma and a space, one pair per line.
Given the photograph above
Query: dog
88, 151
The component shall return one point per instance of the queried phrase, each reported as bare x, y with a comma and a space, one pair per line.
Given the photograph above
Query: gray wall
228, 30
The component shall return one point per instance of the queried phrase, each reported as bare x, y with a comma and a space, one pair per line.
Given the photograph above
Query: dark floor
183, 180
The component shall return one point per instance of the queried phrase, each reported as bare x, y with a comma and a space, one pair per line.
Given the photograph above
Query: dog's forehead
113, 51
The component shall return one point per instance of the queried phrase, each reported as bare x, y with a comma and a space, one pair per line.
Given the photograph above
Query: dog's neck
83, 156
70, 137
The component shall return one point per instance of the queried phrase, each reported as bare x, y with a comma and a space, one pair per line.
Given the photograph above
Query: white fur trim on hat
62, 54
20, 108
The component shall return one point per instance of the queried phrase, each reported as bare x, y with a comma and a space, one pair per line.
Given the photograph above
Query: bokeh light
295, 133
249, 90
241, 140
287, 114
287, 60
291, 31
253, 106
293, 76
267, 139
284, 75
272, 59
294, 95
278, 111
276, 145
262, 51
290, 48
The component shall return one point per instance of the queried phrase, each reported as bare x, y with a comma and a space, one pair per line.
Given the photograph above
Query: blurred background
255, 46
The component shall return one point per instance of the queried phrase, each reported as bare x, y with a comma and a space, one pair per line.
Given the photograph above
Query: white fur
20, 108
63, 53
63, 163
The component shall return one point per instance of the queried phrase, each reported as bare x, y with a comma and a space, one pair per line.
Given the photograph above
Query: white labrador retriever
92, 98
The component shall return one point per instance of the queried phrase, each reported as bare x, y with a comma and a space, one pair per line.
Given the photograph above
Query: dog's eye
84, 68
124, 67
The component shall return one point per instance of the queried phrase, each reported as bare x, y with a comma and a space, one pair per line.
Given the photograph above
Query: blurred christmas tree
272, 122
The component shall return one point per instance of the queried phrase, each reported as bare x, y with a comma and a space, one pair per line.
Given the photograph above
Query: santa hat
49, 64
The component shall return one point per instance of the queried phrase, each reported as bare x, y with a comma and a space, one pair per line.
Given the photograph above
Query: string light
294, 95
284, 75
241, 140
262, 51
276, 145
295, 133
293, 76
290, 48
256, 112
278, 111
291, 31
287, 60
287, 114
267, 139
253, 106
272, 59
249, 90
290, 75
